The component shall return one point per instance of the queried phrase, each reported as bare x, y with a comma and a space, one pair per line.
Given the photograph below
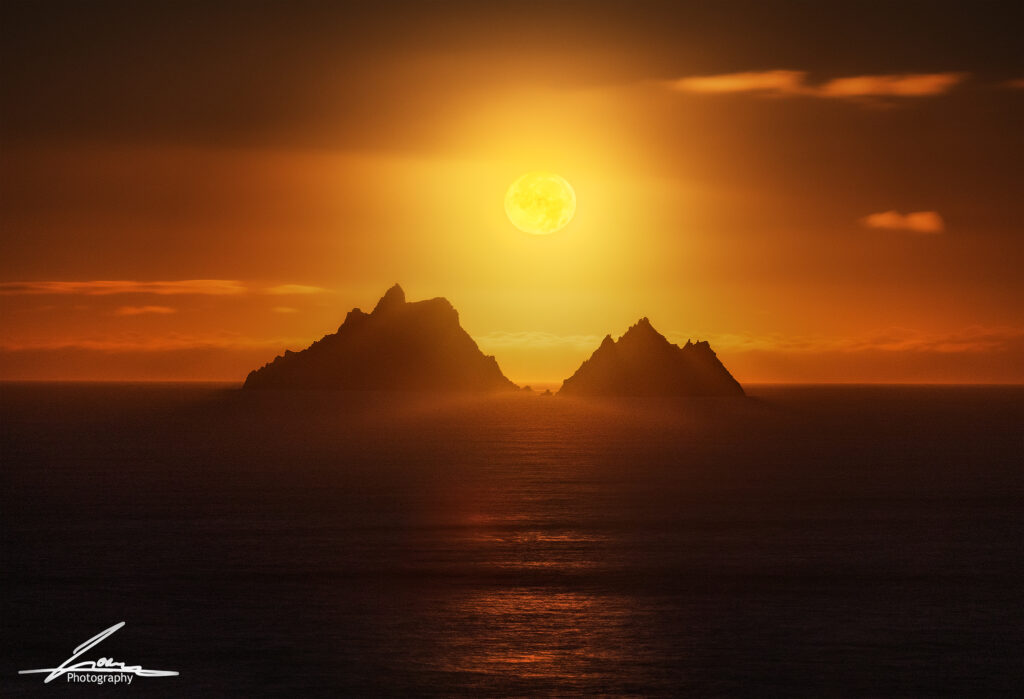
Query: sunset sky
824, 191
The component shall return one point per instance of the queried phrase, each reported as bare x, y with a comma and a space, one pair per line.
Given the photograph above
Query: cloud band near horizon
969, 339
194, 287
919, 222
793, 83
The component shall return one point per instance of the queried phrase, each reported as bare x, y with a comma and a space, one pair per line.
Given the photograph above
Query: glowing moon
540, 203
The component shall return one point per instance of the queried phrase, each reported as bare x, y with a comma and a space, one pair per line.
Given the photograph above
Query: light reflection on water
562, 637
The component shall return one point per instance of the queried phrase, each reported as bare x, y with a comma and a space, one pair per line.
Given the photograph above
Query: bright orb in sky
540, 203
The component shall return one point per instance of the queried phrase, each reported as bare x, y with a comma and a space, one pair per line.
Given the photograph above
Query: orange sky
826, 194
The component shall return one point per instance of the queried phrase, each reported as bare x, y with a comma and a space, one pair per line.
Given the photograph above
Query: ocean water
805, 541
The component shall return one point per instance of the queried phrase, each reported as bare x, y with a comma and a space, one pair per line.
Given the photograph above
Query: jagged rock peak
642, 331
642, 326
392, 298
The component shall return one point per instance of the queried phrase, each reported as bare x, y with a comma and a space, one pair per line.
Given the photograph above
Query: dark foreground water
808, 541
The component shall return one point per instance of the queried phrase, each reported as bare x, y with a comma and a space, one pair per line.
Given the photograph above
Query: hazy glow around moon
540, 203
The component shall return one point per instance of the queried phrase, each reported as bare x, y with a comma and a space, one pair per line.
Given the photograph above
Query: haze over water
806, 541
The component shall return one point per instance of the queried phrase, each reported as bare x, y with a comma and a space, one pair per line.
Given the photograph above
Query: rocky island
644, 363
401, 346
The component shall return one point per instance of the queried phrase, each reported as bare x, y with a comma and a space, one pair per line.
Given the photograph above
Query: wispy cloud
208, 287
138, 342
970, 339
295, 289
284, 309
793, 83
1015, 84
919, 222
779, 82
212, 287
905, 85
537, 339
143, 310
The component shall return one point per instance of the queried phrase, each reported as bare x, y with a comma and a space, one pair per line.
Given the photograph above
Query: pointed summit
642, 331
644, 363
399, 347
392, 298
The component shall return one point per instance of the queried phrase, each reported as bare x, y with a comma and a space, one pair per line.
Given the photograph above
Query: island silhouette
420, 346
403, 346
644, 363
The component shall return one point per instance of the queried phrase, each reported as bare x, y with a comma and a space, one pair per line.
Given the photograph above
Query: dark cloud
384, 74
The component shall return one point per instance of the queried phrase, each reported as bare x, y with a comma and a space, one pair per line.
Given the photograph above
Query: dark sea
855, 541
